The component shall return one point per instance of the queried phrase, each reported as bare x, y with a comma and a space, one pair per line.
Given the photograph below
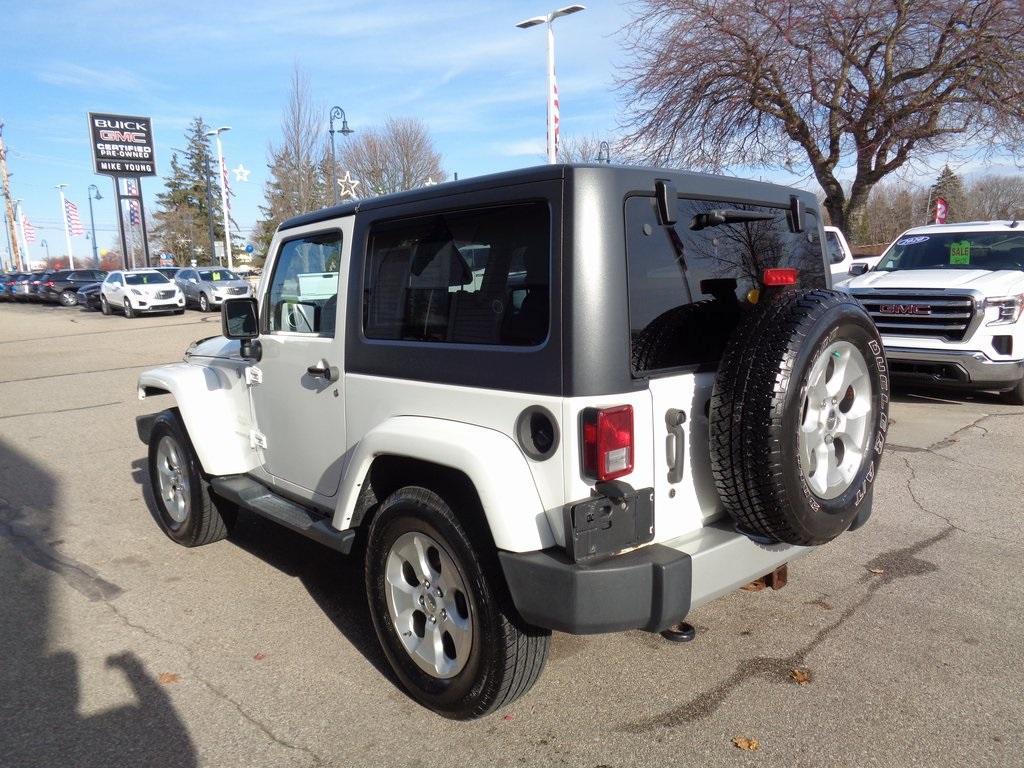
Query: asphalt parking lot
117, 647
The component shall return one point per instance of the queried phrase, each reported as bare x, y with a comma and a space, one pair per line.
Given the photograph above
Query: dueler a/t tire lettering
757, 409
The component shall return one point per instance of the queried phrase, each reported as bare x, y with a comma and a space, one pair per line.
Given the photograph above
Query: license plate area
603, 526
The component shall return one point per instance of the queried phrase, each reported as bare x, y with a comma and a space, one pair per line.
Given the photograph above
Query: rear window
688, 308
470, 277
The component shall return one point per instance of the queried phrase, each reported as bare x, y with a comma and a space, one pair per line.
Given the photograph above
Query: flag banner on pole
555, 117
74, 223
941, 209
134, 215
30, 231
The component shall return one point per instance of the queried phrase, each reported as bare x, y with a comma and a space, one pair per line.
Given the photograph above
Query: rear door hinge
257, 439
253, 375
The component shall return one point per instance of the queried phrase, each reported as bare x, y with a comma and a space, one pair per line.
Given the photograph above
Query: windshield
145, 278
956, 250
216, 275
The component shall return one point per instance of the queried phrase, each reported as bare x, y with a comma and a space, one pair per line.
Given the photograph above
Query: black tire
128, 311
757, 408
104, 305
506, 655
68, 298
204, 303
1015, 396
209, 518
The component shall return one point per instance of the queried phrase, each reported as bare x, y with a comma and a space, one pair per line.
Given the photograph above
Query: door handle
676, 444
325, 371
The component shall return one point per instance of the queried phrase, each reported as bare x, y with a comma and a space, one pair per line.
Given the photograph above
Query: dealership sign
122, 145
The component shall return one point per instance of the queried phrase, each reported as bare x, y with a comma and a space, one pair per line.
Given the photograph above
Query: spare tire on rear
799, 415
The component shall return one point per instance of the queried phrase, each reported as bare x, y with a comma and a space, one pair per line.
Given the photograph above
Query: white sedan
140, 290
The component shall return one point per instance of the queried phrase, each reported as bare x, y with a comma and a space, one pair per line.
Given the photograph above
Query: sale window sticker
960, 252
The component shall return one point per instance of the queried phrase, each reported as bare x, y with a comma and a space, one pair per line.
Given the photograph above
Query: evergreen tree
951, 189
181, 221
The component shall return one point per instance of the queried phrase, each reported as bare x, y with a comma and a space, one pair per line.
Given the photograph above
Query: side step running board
256, 497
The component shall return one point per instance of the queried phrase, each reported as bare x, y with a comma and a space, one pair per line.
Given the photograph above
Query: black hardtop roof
634, 177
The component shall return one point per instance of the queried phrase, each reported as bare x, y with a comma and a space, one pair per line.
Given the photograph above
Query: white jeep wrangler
573, 398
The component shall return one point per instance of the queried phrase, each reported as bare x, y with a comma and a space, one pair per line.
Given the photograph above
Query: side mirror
858, 269
239, 319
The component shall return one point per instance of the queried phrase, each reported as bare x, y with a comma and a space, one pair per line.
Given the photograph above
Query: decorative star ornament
347, 186
241, 173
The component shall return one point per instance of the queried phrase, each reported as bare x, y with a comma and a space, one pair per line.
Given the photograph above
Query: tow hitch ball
684, 632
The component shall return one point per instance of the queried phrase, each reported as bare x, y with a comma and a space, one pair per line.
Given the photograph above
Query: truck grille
237, 291
919, 313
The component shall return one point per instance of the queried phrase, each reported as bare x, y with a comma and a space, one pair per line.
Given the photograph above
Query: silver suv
207, 287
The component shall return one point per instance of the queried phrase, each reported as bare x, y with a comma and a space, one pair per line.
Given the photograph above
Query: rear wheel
69, 298
187, 510
799, 415
453, 640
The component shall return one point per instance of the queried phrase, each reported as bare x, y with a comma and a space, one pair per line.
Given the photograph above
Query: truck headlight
1009, 308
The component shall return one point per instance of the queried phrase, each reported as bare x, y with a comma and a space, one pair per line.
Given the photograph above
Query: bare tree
870, 84
994, 197
396, 157
583, 149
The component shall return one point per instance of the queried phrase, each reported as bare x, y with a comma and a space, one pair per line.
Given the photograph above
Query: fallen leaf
509, 717
800, 675
876, 570
750, 745
169, 677
259, 656
754, 586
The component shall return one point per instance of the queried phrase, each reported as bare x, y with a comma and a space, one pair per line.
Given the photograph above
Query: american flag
555, 117
134, 212
30, 231
71, 214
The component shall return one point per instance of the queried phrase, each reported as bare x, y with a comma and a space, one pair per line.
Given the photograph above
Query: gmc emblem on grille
905, 309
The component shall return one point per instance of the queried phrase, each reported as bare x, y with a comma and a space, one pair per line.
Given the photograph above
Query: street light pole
46, 247
552, 100
337, 113
224, 193
67, 233
93, 190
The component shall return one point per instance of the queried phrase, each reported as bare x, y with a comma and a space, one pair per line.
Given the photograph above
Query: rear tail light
48, 283
607, 442
780, 276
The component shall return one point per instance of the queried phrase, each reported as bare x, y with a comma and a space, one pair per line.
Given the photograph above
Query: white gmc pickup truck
947, 300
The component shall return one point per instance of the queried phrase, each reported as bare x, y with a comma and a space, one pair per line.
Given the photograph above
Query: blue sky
459, 65
462, 67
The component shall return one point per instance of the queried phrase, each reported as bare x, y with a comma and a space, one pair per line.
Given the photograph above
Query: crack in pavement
61, 410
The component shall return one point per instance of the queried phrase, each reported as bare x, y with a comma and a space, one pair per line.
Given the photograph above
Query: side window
469, 277
303, 295
698, 299
835, 251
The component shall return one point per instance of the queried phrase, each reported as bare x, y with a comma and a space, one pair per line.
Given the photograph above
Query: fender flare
493, 462
208, 399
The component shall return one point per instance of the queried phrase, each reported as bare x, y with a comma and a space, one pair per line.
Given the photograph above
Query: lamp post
552, 87
223, 192
604, 151
94, 194
336, 114
46, 247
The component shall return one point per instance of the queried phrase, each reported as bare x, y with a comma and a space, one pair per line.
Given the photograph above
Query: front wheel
204, 303
128, 311
454, 641
187, 510
104, 305
1015, 396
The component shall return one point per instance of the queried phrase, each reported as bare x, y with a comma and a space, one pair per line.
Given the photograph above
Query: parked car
207, 287
138, 291
36, 293
89, 296
62, 286
584, 430
948, 299
169, 272
7, 282
24, 286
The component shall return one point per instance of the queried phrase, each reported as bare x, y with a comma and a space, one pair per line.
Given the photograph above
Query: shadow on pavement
40, 686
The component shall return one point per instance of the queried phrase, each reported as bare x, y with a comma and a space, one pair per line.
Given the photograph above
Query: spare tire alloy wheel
799, 415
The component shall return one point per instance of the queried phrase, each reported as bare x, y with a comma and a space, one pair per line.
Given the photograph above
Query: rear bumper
953, 368
649, 588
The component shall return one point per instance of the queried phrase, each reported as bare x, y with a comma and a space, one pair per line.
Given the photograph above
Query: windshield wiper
728, 216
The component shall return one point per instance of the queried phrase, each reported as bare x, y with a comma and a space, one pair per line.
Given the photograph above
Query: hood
213, 346
228, 284
998, 283
152, 288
